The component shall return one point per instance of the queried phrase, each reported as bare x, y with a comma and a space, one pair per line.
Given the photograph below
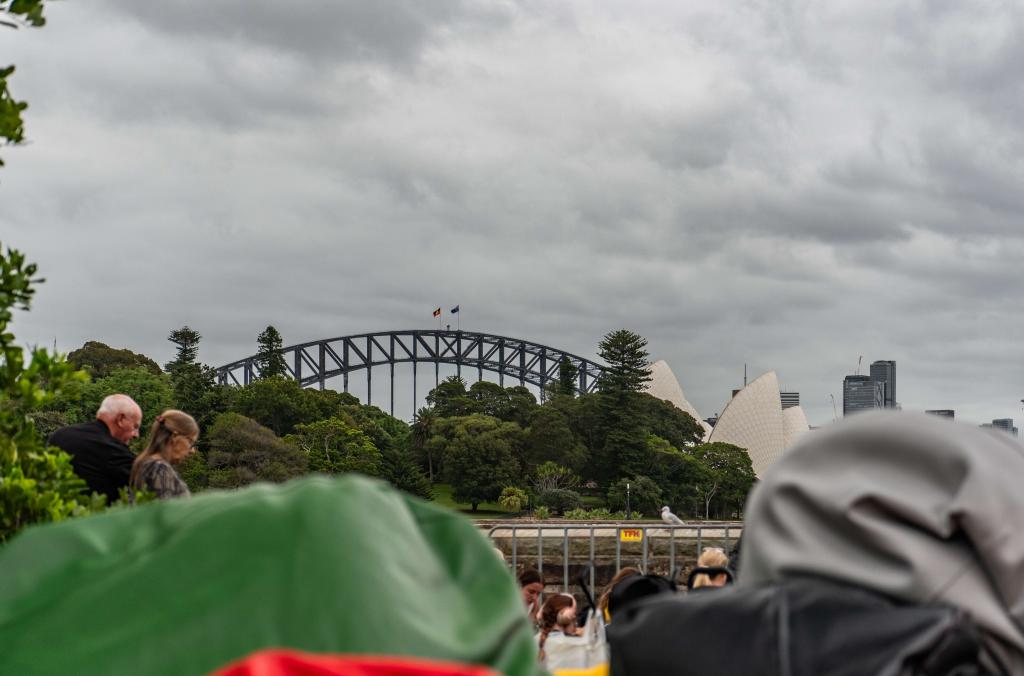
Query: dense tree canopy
100, 360
480, 456
335, 445
243, 451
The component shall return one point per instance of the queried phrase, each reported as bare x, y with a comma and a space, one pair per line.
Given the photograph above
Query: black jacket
101, 460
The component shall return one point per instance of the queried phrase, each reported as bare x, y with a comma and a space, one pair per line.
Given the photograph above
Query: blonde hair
566, 619
169, 423
711, 557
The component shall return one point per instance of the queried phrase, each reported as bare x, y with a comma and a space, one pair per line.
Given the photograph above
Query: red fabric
294, 663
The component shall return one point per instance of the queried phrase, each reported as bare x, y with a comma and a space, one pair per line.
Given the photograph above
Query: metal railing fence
622, 532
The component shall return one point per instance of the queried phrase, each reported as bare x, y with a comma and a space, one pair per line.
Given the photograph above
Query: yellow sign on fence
631, 535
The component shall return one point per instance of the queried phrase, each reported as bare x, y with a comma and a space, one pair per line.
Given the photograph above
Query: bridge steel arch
317, 361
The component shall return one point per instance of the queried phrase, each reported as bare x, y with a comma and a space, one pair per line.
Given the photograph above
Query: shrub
37, 483
577, 514
559, 500
243, 451
541, 513
513, 499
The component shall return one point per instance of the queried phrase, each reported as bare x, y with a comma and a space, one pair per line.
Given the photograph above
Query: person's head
552, 608
711, 557
566, 620
172, 437
121, 415
531, 585
623, 573
549, 614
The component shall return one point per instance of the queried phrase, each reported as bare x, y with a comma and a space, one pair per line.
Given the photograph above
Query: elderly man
99, 449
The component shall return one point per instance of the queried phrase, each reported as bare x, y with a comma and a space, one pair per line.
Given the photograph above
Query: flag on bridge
437, 312
455, 310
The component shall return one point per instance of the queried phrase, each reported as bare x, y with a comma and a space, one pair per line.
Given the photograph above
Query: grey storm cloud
785, 185
390, 31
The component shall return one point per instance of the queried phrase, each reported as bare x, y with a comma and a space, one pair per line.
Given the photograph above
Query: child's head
566, 622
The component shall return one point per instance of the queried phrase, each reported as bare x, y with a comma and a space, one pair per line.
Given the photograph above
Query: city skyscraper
884, 371
861, 393
942, 412
1005, 424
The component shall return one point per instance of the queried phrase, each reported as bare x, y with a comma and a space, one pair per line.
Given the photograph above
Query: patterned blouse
158, 476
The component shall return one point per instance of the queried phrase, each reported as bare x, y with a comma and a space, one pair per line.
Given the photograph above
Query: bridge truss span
522, 361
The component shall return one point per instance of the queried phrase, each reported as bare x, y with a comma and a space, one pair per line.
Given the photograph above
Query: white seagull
668, 517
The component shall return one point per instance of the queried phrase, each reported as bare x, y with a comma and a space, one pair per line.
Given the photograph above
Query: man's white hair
115, 405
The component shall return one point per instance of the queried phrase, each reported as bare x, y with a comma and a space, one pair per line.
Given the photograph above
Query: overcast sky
786, 184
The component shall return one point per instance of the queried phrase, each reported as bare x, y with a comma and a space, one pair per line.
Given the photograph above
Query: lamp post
628, 513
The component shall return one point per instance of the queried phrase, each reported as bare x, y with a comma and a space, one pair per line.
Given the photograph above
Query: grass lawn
485, 510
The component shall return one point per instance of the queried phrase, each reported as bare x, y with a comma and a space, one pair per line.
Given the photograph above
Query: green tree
37, 484
627, 367
624, 448
269, 359
187, 340
668, 422
549, 438
678, 474
551, 476
280, 404
521, 405
644, 495
479, 456
404, 473
728, 477
568, 378
450, 399
100, 360
335, 445
422, 431
243, 451
13, 14
195, 388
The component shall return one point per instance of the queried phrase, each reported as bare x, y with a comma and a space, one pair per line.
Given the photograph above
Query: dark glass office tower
885, 372
861, 393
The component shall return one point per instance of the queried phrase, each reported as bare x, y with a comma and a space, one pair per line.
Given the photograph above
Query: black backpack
800, 627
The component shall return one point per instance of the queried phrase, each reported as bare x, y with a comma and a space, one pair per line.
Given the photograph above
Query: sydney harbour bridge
521, 361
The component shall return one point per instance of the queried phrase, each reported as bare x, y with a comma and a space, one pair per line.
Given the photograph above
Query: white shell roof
753, 420
664, 385
794, 424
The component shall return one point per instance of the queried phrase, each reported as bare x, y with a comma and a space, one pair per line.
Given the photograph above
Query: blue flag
455, 310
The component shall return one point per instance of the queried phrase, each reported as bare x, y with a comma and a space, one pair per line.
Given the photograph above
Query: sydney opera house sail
664, 385
794, 423
754, 419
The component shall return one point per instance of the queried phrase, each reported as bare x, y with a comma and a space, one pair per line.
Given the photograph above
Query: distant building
942, 412
789, 399
884, 372
861, 393
1004, 424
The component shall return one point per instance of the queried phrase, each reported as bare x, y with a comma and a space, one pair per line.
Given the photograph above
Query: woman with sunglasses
172, 438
